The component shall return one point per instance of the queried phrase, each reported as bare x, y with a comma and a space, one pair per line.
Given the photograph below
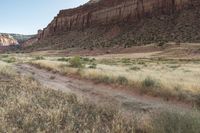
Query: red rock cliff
108, 11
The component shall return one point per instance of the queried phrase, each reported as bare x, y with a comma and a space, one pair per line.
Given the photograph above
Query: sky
28, 16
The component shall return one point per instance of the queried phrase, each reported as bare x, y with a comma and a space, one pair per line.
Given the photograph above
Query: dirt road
97, 93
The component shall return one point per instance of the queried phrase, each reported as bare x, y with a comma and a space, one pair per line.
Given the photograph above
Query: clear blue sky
27, 16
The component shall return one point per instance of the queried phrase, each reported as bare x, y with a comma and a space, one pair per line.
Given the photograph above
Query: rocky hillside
122, 23
7, 40
29, 42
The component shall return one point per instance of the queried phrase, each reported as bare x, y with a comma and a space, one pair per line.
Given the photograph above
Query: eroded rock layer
103, 12
7, 40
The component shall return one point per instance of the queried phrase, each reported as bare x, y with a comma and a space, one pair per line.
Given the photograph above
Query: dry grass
176, 122
16, 58
26, 106
166, 79
6, 69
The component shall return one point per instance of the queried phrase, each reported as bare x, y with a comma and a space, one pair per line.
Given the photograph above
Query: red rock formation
29, 42
7, 40
108, 11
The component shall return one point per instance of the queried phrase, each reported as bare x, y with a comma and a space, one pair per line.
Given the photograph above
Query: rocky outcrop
104, 12
29, 42
21, 38
7, 40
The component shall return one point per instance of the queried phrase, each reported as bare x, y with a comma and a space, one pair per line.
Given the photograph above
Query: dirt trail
97, 93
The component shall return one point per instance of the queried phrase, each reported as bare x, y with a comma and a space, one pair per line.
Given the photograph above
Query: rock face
7, 40
29, 42
104, 12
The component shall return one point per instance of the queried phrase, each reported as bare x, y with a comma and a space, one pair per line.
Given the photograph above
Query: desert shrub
174, 66
92, 60
104, 79
85, 59
149, 82
181, 94
161, 43
63, 59
135, 68
10, 60
93, 66
122, 80
108, 61
197, 101
141, 63
4, 56
126, 60
39, 58
76, 62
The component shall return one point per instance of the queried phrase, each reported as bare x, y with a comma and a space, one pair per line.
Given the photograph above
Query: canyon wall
108, 11
29, 42
7, 40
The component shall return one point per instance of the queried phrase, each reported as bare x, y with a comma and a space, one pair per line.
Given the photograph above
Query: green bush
76, 62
